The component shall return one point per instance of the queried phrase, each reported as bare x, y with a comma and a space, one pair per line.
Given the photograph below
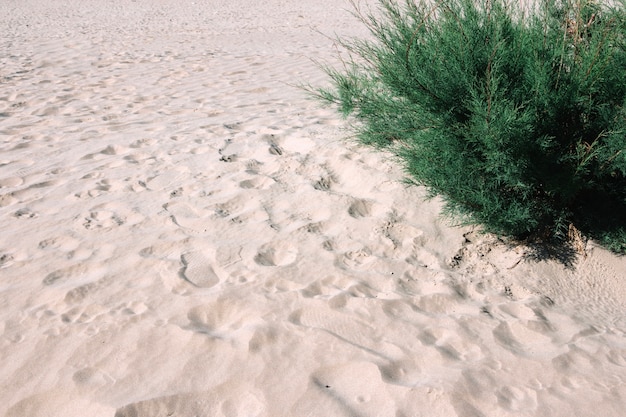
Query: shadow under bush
512, 112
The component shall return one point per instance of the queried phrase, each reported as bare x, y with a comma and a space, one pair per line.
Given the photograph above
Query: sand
186, 233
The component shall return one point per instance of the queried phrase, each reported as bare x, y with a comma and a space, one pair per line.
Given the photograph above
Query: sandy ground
185, 233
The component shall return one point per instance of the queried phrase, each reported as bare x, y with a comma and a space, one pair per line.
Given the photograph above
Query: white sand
186, 234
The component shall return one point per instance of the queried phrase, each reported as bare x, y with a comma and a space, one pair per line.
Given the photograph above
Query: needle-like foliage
512, 112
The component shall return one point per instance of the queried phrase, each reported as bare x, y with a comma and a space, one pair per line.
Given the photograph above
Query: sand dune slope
185, 233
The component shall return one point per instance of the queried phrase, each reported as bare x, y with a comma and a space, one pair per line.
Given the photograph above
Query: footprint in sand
358, 259
228, 399
78, 294
360, 208
143, 142
188, 217
7, 199
77, 274
102, 219
234, 206
11, 182
276, 254
323, 184
407, 372
222, 318
60, 401
357, 386
166, 180
517, 399
524, 337
91, 378
6, 260
86, 314
260, 183
63, 243
25, 213
355, 332
30, 193
114, 150
199, 270
66, 246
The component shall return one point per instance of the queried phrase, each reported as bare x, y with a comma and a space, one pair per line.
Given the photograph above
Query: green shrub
512, 112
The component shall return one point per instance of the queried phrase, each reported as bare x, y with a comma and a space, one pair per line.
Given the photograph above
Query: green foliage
512, 112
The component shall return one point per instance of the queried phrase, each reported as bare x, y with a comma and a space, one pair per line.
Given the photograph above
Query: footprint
32, 192
222, 318
79, 273
92, 378
81, 292
358, 386
405, 372
58, 401
228, 399
522, 339
259, 183
25, 213
360, 208
437, 304
45, 184
328, 287
7, 199
114, 150
102, 219
199, 270
358, 259
6, 260
233, 206
516, 399
62, 243
88, 313
11, 182
276, 254
142, 143
323, 184
163, 250
346, 329
253, 166
169, 179
188, 217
